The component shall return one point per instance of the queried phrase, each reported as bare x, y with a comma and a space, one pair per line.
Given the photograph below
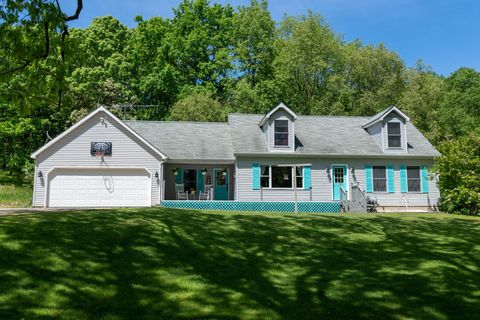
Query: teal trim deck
284, 206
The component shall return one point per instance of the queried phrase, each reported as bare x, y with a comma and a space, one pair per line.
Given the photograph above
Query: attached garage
99, 187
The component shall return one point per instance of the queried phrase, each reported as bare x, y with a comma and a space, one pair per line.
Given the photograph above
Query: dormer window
394, 135
281, 133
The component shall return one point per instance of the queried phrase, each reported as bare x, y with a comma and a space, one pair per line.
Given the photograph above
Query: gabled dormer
279, 127
389, 130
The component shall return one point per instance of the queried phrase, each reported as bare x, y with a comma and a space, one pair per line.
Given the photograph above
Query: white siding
74, 151
395, 117
281, 115
322, 186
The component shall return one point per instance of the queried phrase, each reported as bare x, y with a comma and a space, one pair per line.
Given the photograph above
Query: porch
216, 179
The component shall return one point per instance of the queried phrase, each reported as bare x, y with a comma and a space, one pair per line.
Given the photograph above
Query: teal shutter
200, 185
256, 176
368, 178
424, 177
179, 176
390, 179
403, 179
307, 177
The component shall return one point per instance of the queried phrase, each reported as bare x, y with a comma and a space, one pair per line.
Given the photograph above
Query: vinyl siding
281, 115
322, 186
394, 117
74, 151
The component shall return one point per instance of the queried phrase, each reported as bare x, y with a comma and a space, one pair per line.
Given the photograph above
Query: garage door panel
99, 188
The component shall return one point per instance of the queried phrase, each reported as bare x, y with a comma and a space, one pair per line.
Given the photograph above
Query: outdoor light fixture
175, 171
40, 174
156, 174
352, 170
204, 171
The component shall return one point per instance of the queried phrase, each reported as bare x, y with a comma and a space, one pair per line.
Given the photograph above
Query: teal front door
220, 186
339, 180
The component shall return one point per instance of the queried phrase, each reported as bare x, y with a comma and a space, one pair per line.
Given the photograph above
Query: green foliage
207, 59
198, 106
459, 170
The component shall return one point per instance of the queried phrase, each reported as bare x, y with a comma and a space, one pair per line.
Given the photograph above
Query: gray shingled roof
315, 135
187, 140
322, 135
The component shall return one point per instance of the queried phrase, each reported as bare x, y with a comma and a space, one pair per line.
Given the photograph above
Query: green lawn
12, 193
163, 264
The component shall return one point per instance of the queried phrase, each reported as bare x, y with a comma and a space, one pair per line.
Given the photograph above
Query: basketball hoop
99, 154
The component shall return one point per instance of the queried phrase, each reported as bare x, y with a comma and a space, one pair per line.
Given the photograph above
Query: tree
26, 28
198, 106
459, 170
460, 106
199, 42
254, 35
308, 55
421, 100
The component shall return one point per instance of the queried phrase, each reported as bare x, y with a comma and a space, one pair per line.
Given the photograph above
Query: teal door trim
336, 186
220, 192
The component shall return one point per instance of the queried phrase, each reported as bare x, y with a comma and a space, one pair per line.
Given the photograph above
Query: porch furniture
179, 187
182, 195
204, 195
209, 189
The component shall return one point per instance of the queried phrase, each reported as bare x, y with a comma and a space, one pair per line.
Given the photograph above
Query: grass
173, 264
12, 193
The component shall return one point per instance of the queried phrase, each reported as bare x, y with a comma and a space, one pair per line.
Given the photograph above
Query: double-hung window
413, 179
281, 177
379, 179
281, 133
265, 176
394, 135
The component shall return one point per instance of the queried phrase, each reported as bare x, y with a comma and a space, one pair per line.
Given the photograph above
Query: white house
252, 162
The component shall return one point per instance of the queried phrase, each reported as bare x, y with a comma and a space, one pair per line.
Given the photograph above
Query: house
252, 162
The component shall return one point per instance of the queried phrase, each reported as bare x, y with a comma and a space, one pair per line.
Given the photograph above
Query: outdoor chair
204, 195
182, 195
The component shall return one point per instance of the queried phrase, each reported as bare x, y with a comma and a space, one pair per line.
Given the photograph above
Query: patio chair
179, 187
209, 189
182, 195
204, 195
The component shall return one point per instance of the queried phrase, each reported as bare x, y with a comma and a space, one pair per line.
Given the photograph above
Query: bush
461, 200
459, 170
28, 173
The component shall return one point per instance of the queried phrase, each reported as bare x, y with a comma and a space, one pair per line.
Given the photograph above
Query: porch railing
343, 200
359, 195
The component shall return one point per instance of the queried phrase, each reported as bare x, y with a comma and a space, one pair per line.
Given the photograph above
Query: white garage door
99, 188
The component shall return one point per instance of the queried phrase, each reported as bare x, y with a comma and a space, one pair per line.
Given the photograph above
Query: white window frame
396, 135
419, 179
270, 182
288, 133
386, 180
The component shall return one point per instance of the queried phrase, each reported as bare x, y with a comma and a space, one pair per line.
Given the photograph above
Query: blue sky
444, 33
